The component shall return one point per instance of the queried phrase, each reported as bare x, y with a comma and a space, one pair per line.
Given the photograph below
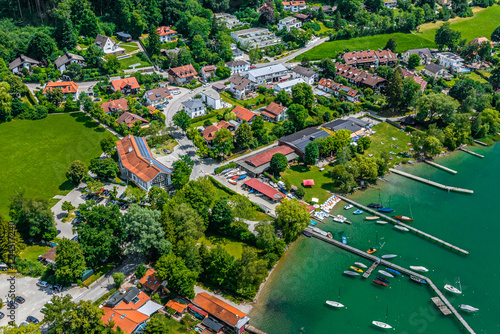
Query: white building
231, 21
288, 23
306, 74
167, 34
255, 37
287, 85
425, 55
68, 58
108, 46
156, 96
240, 86
194, 108
238, 66
17, 65
451, 61
391, 4
294, 6
267, 74
212, 99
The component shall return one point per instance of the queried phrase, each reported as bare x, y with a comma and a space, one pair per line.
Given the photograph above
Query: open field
125, 63
330, 49
481, 24
233, 247
36, 154
382, 141
323, 182
32, 252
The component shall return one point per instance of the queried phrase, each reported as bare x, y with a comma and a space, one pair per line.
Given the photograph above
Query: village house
182, 75
275, 112
208, 72
209, 133
267, 74
306, 74
166, 34
424, 54
288, 23
294, 6
138, 165
418, 79
49, 257
194, 108
126, 86
67, 87
180, 309
239, 86
211, 98
108, 45
131, 119
124, 36
339, 90
151, 282
17, 65
243, 115
255, 164
156, 96
287, 85
238, 66
360, 78
115, 106
450, 61
435, 71
63, 61
255, 38
229, 20
370, 58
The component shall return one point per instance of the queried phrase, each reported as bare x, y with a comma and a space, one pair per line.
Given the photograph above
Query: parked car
58, 232
12, 304
75, 238
42, 284
19, 300
2, 315
32, 319
24, 323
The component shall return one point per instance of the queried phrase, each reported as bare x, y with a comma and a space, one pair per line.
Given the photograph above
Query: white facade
294, 6
212, 99
194, 108
107, 45
231, 21
287, 85
267, 74
238, 66
288, 23
255, 37
450, 61
391, 4
309, 76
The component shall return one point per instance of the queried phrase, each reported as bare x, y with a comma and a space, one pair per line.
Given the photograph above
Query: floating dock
441, 306
432, 183
395, 267
480, 142
470, 152
367, 273
411, 228
432, 163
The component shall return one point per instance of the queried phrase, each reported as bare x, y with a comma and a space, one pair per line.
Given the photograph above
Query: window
123, 316
135, 300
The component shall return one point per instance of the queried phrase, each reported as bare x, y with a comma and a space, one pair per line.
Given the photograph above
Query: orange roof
150, 281
294, 3
163, 31
209, 132
184, 71
218, 308
274, 108
126, 315
67, 87
122, 83
265, 157
120, 104
480, 40
176, 306
243, 113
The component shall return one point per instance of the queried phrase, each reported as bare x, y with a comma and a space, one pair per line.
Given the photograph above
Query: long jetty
395, 267
432, 183
480, 142
411, 228
461, 148
432, 163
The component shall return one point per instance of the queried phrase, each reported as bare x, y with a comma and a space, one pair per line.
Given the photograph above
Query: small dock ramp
367, 273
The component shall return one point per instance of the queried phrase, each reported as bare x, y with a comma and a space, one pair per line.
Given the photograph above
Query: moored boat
404, 218
312, 222
419, 268
361, 265
385, 273
358, 212
452, 289
384, 209
395, 272
307, 234
233, 182
389, 256
371, 250
381, 222
381, 324
351, 273
374, 205
401, 228
468, 308
382, 279
348, 207
356, 269
334, 304
372, 218
344, 240
418, 279
379, 282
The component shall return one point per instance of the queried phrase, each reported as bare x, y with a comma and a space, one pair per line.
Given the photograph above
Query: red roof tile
265, 157
243, 113
176, 306
274, 108
150, 281
265, 189
67, 87
218, 308
120, 105
183, 71
122, 83
163, 31
126, 315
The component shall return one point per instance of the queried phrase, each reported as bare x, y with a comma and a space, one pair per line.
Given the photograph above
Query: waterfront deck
441, 306
432, 163
411, 228
429, 182
395, 267
470, 152
367, 273
480, 142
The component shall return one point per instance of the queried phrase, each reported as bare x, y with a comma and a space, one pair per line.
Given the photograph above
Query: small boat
334, 304
452, 289
395, 272
356, 269
384, 209
235, 177
329, 235
385, 273
351, 273
468, 308
242, 177
419, 268
418, 279
339, 219
389, 256
381, 222
344, 240
307, 234
374, 205
359, 264
379, 282
381, 324
348, 207
372, 218
358, 212
382, 279
371, 250
313, 222
233, 182
404, 218
401, 228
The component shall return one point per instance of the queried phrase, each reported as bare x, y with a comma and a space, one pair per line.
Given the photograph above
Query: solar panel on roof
160, 166
143, 147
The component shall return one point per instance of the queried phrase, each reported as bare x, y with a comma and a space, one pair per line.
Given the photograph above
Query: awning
308, 182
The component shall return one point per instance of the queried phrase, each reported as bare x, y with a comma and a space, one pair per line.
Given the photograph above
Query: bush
29, 268
141, 271
225, 167
300, 192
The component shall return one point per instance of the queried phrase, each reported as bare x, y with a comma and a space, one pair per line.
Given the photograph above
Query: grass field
233, 247
382, 141
125, 63
31, 253
323, 182
36, 154
481, 24
330, 49
129, 47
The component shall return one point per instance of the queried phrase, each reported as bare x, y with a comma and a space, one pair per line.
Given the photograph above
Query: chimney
129, 149
151, 163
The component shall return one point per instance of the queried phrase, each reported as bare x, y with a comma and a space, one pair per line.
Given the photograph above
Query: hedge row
225, 167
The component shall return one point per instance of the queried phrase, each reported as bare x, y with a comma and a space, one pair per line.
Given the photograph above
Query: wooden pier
429, 182
441, 306
480, 142
411, 228
254, 330
461, 148
432, 163
395, 267
367, 273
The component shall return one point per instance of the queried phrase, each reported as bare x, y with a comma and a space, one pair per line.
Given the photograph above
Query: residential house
356, 126
326, 9
255, 38
229, 20
49, 257
131, 119
156, 96
391, 4
211, 325
451, 61
63, 61
211, 98
115, 106
258, 163
243, 115
138, 165
302, 17
306, 74
179, 308
129, 309
287, 85
294, 6
232, 318
67, 87
17, 65
435, 71
126, 86
424, 54
208, 72
339, 90
299, 140
267, 74
237, 53
124, 36
209, 133
151, 282
238, 66
275, 112
370, 58
288, 23
108, 45
360, 78
418, 79
166, 34
480, 40
182, 75
194, 108
240, 86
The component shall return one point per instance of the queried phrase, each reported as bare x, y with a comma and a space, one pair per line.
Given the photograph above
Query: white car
42, 284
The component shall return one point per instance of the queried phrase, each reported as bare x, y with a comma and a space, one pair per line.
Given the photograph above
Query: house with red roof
115, 106
243, 115
209, 133
126, 86
275, 112
208, 72
418, 79
256, 164
182, 75
130, 120
166, 34
339, 90
151, 281
480, 40
294, 6
67, 87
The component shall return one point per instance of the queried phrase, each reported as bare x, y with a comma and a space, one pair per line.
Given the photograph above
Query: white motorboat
381, 222
385, 273
361, 265
381, 324
419, 268
468, 308
452, 289
401, 228
389, 256
334, 304
348, 207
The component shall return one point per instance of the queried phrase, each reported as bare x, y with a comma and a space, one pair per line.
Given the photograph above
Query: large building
256, 164
287, 85
424, 54
294, 6
267, 74
370, 58
356, 126
451, 61
339, 90
360, 78
288, 23
255, 38
229, 20
138, 165
306, 74
157, 96
299, 140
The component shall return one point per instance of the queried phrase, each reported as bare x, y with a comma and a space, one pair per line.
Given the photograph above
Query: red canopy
308, 182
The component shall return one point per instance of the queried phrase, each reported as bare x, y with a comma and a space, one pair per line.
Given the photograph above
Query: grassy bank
382, 142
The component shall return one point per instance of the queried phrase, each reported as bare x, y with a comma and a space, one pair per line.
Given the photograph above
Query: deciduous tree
292, 218
70, 262
181, 174
311, 153
243, 136
278, 163
76, 171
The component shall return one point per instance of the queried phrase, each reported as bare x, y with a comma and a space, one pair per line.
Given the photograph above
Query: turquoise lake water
293, 299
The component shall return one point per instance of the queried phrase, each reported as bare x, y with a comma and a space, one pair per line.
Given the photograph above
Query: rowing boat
379, 282
381, 222
395, 272
359, 264
371, 250
356, 269
351, 273
418, 279
381, 324
401, 228
419, 268
348, 207
334, 304
358, 212
404, 218
385, 273
372, 218
389, 256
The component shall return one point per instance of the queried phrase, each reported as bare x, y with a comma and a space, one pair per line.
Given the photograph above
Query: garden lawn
129, 47
322, 180
126, 62
36, 154
331, 49
381, 142
249, 102
32, 252
481, 24
233, 247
